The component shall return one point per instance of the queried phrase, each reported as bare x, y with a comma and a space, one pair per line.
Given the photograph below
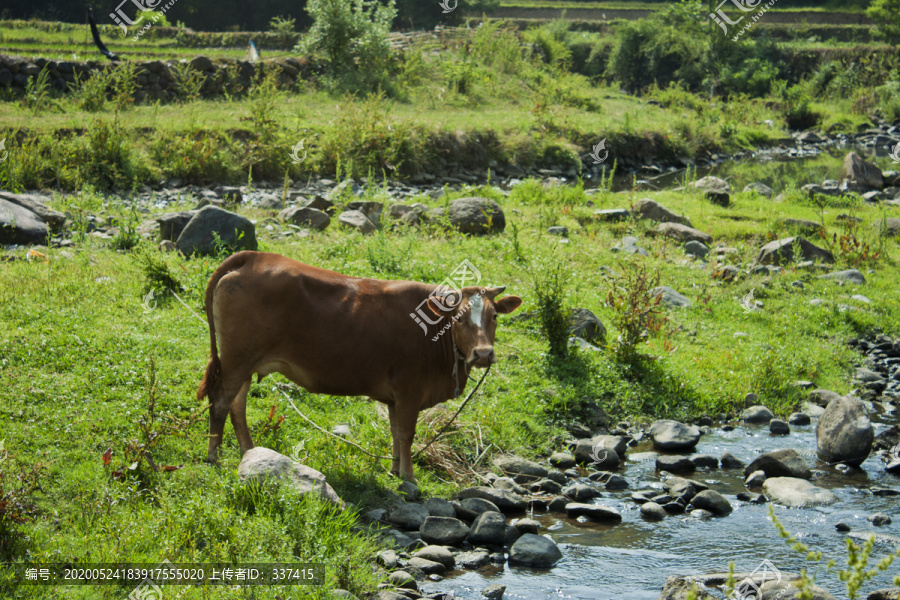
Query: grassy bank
87, 369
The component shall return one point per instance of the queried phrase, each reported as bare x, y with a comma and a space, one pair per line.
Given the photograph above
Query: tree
352, 37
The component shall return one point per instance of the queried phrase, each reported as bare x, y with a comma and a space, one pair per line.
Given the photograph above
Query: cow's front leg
239, 418
395, 441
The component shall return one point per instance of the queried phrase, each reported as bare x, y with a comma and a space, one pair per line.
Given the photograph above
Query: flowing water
633, 559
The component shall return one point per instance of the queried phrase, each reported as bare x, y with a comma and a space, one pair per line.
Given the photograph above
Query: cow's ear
507, 304
438, 306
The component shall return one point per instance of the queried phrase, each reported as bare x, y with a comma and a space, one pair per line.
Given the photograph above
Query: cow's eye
494, 317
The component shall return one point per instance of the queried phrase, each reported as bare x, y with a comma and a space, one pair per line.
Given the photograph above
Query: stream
634, 558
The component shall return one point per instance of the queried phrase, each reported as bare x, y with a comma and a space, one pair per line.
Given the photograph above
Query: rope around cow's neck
418, 452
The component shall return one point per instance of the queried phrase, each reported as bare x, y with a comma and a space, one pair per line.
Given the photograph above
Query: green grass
77, 349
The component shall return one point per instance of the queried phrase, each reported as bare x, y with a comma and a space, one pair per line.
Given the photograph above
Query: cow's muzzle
482, 357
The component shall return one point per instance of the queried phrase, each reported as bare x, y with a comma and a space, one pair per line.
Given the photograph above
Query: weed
549, 291
157, 274
637, 313
37, 92
19, 483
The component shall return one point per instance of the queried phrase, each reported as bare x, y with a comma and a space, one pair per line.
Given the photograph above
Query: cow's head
473, 317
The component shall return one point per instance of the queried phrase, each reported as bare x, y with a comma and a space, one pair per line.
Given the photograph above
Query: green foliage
352, 38
188, 81
854, 576
886, 15
37, 92
19, 483
637, 313
548, 281
796, 103
158, 275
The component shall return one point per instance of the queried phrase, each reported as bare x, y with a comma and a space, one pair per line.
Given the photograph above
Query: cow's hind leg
221, 398
395, 440
406, 431
239, 418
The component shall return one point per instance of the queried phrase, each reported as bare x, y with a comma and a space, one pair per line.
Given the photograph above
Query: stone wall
155, 79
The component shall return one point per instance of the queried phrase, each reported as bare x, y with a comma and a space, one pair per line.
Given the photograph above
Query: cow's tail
214, 367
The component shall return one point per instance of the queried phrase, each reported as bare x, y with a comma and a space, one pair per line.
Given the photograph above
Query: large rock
438, 507
757, 414
476, 216
520, 469
672, 436
443, 531
888, 227
534, 551
682, 588
305, 216
18, 225
409, 516
858, 171
670, 297
489, 528
580, 492
780, 463
781, 252
715, 189
712, 501
172, 224
505, 500
654, 211
675, 464
785, 590
796, 493
198, 236
844, 433
853, 276
585, 324
683, 233
35, 203
355, 219
594, 453
260, 464
371, 209
594, 512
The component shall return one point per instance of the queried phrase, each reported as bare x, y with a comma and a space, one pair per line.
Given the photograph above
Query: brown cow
340, 335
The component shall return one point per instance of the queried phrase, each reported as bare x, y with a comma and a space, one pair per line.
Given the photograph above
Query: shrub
549, 292
638, 314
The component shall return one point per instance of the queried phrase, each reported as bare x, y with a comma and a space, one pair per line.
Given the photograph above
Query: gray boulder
888, 227
372, 210
856, 170
506, 501
822, 396
675, 464
172, 224
594, 512
757, 414
489, 528
683, 233
670, 297
653, 511
494, 591
509, 484
796, 493
629, 245
715, 189
672, 436
611, 214
785, 590
18, 225
306, 217
654, 211
760, 188
682, 588
780, 463
408, 516
534, 551
779, 427
562, 460
443, 531
848, 276
426, 566
438, 507
585, 324
799, 419
476, 216
580, 492
596, 454
262, 464
780, 252
520, 469
357, 220
730, 461
472, 507
844, 433
696, 249
712, 501
36, 204
199, 235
